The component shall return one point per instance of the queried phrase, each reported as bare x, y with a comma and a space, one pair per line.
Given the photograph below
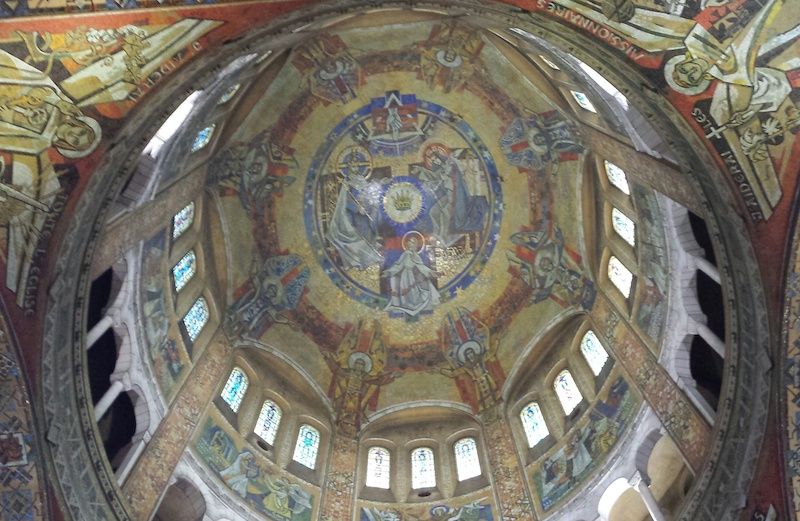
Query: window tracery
423, 470
268, 420
196, 318
533, 423
567, 391
235, 387
620, 276
624, 226
468, 465
593, 351
184, 270
378, 468
616, 176
182, 220
305, 451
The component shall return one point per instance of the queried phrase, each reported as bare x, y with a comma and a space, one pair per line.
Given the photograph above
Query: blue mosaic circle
402, 205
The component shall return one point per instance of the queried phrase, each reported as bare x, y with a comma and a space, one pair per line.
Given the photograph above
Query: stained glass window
567, 392
234, 389
593, 351
378, 467
305, 452
228, 94
196, 318
623, 226
616, 176
423, 470
468, 465
620, 276
268, 421
533, 423
182, 220
549, 62
184, 270
202, 138
583, 101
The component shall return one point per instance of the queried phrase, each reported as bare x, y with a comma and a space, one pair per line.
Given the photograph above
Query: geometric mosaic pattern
20, 494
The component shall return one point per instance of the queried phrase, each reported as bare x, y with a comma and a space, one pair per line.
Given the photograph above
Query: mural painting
357, 375
732, 70
651, 314
469, 349
791, 370
405, 201
21, 492
59, 94
557, 475
473, 507
169, 361
260, 483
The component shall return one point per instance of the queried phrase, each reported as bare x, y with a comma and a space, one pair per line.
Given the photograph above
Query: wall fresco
21, 492
477, 506
566, 467
791, 370
262, 485
730, 68
169, 357
405, 201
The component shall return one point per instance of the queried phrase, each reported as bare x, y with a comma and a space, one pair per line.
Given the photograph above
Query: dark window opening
706, 367
702, 237
117, 428
99, 295
102, 359
709, 295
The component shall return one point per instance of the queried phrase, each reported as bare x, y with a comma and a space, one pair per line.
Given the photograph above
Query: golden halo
420, 237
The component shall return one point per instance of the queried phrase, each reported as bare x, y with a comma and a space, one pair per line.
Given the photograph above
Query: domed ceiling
400, 212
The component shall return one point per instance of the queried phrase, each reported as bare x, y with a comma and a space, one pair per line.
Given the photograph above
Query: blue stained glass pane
567, 391
203, 138
184, 270
423, 470
533, 423
305, 452
268, 421
583, 101
182, 220
196, 318
228, 94
235, 387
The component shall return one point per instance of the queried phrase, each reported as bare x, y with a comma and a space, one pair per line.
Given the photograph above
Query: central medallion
402, 205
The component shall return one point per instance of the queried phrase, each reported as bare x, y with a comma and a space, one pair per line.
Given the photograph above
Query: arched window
616, 176
378, 467
203, 138
468, 465
305, 451
583, 101
533, 423
567, 392
196, 318
593, 351
234, 389
423, 470
549, 62
228, 94
623, 226
268, 420
182, 220
620, 276
184, 270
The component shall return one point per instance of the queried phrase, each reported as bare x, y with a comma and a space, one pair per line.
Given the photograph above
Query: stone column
340, 482
642, 485
514, 503
150, 477
642, 168
104, 403
680, 418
